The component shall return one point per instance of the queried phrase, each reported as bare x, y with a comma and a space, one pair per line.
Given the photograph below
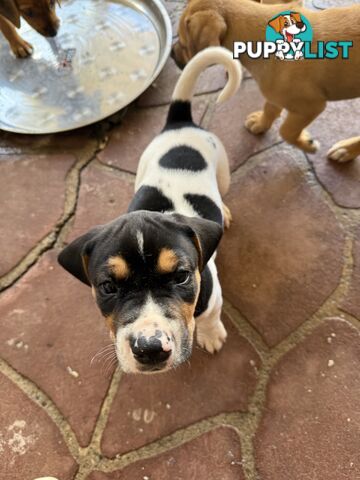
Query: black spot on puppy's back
150, 198
183, 158
205, 207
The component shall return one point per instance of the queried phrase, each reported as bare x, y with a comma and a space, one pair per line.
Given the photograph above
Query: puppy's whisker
102, 352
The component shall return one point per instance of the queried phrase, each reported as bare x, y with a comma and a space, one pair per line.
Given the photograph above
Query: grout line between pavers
105, 411
245, 328
34, 393
123, 172
166, 443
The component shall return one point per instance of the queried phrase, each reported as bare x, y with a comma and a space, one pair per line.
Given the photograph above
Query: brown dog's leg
345, 150
292, 130
20, 47
261, 121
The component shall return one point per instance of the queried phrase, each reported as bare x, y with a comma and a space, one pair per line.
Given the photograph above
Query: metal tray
107, 52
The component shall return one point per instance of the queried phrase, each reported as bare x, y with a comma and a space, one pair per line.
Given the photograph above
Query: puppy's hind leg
261, 121
345, 150
223, 181
293, 129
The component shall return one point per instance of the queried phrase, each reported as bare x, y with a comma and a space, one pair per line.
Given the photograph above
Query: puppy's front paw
211, 337
343, 151
255, 123
307, 143
21, 48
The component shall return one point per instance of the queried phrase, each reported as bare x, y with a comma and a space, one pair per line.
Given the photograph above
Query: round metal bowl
107, 52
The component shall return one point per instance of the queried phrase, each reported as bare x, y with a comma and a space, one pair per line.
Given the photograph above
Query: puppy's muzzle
150, 350
50, 31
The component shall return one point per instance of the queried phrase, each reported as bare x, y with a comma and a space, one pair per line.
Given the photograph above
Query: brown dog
300, 87
40, 14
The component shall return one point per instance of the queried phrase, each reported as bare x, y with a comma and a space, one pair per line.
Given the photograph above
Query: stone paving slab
103, 196
311, 422
283, 241
46, 319
148, 408
24, 197
342, 181
12, 143
30, 444
214, 455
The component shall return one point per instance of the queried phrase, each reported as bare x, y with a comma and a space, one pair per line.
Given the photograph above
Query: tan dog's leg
261, 121
345, 150
292, 130
20, 47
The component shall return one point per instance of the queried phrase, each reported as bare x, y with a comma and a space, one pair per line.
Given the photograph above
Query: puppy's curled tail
180, 110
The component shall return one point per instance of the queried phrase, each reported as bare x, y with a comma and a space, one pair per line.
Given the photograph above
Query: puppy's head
40, 14
201, 25
145, 270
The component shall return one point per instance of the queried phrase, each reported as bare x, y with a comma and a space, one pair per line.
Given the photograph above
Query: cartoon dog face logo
288, 26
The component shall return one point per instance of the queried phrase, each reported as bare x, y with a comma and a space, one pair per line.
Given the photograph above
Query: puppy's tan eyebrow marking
119, 267
110, 322
167, 260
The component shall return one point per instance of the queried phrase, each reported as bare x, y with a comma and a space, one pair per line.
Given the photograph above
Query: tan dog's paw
227, 216
307, 143
255, 123
211, 337
21, 48
344, 151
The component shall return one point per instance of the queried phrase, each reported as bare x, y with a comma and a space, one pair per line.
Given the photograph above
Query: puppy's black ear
205, 235
75, 257
9, 10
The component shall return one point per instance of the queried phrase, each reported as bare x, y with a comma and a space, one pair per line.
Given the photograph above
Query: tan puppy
300, 87
40, 14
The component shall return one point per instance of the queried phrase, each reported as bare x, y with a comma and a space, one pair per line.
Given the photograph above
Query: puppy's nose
148, 350
300, 24
51, 32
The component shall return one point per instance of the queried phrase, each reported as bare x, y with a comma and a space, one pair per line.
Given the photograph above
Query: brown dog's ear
296, 16
9, 10
276, 23
204, 29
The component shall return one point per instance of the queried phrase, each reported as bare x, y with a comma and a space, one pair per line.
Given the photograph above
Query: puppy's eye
107, 288
182, 278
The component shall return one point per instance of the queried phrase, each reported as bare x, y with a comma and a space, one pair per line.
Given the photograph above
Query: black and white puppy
152, 270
